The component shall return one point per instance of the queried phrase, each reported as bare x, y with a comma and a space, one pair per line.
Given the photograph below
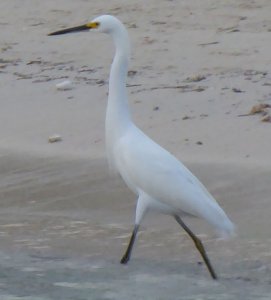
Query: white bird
160, 181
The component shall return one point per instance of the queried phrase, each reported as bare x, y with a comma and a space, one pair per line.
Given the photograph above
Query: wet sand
64, 220
65, 224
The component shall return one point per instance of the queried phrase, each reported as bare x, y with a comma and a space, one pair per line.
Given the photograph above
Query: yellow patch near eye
93, 24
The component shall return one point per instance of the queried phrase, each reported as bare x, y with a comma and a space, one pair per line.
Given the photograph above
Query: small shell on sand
266, 118
262, 109
259, 108
64, 85
54, 138
195, 78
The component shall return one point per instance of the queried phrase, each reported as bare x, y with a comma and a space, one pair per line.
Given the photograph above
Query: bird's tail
226, 229
216, 217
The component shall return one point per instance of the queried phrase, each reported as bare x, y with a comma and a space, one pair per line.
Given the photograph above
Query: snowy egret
160, 181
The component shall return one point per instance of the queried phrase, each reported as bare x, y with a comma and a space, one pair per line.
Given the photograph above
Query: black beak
73, 29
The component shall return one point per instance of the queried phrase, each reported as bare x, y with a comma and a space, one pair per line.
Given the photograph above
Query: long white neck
118, 117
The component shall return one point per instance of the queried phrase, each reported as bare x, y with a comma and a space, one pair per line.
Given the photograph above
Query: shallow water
65, 224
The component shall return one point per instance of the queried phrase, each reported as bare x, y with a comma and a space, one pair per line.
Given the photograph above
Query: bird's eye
97, 24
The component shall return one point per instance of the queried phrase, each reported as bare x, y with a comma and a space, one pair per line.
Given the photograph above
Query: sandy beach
197, 70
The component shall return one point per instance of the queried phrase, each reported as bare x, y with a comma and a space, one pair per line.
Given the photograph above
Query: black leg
128, 252
198, 245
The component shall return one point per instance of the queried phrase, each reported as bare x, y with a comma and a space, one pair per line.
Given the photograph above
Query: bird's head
105, 23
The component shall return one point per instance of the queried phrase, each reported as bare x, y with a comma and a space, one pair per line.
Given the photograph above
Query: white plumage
161, 181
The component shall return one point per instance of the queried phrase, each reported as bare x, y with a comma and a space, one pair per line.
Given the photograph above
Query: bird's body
160, 181
157, 177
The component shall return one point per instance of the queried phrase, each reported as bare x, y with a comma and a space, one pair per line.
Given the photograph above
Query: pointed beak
84, 27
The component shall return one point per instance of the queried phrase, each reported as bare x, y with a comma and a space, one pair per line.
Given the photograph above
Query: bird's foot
124, 260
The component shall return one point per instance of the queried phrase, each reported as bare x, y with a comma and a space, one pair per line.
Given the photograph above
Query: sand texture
197, 71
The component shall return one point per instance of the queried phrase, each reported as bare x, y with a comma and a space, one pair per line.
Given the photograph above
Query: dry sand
64, 222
